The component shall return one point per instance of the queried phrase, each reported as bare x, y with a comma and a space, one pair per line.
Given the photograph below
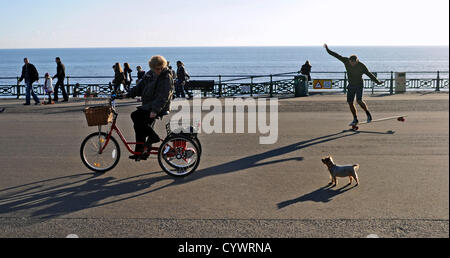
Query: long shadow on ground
60, 196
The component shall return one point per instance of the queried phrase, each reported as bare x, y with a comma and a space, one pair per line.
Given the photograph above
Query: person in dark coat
156, 90
119, 77
31, 75
61, 75
128, 78
140, 73
306, 70
182, 78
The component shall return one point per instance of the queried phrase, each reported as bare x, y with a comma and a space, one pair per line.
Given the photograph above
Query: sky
176, 23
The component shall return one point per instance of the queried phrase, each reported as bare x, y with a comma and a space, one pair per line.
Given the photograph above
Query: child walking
48, 87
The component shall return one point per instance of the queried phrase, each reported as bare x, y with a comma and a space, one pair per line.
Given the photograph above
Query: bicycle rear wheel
179, 156
91, 156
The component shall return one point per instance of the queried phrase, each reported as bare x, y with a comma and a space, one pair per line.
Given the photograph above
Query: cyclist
156, 89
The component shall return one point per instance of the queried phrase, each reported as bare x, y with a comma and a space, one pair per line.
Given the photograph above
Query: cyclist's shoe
135, 157
139, 148
354, 122
150, 141
369, 118
144, 156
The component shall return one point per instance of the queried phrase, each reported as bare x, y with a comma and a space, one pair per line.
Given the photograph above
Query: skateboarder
355, 70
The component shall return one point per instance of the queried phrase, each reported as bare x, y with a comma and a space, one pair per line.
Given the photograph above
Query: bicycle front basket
99, 115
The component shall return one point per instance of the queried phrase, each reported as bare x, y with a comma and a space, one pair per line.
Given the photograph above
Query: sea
226, 61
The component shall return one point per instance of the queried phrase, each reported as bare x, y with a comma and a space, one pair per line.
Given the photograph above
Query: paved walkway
241, 188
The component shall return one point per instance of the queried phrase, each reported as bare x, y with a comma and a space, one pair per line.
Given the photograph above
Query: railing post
345, 82
391, 90
68, 86
271, 86
251, 86
18, 88
438, 82
220, 86
373, 83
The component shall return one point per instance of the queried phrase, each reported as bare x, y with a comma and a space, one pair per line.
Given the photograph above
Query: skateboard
401, 118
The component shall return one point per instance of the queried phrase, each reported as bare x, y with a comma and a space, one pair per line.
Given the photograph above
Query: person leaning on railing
156, 90
355, 70
119, 77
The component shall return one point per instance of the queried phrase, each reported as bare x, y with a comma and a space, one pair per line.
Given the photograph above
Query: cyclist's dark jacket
155, 101
356, 72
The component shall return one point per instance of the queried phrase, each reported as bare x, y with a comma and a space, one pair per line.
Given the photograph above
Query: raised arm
339, 57
371, 75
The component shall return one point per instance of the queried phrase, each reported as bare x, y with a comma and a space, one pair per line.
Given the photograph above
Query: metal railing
251, 85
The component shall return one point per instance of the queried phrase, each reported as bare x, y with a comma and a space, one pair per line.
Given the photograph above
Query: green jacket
356, 72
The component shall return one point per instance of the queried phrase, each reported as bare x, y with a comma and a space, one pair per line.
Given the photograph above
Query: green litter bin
301, 86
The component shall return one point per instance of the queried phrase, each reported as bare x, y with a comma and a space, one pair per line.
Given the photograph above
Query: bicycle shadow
324, 194
48, 199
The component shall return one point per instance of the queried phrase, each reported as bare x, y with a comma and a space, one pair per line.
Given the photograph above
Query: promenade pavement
241, 188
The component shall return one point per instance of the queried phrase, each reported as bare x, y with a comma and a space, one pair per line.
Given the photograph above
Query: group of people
124, 77
31, 75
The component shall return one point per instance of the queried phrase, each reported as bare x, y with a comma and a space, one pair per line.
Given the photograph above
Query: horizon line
224, 46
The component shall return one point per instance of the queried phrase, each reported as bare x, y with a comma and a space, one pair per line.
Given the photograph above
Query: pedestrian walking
182, 78
140, 73
119, 77
48, 88
128, 78
61, 75
31, 75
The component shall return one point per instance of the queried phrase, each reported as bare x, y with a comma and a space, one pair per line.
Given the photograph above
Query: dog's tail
356, 166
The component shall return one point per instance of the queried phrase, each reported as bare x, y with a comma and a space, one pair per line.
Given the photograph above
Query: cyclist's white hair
157, 61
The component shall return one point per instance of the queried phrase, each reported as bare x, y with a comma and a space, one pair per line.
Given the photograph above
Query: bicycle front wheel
95, 159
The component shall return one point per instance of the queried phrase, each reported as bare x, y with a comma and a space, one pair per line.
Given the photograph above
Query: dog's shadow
323, 194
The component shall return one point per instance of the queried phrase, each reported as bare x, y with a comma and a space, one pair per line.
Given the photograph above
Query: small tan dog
341, 171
